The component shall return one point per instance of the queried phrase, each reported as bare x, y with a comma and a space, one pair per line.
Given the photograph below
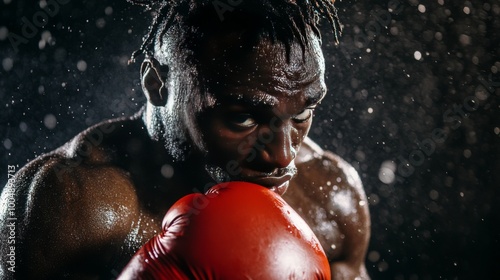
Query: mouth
277, 181
277, 184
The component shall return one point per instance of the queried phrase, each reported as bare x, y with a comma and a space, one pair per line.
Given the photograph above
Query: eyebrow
267, 101
263, 100
315, 97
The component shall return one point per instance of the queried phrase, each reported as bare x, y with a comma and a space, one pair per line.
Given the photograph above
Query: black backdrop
412, 104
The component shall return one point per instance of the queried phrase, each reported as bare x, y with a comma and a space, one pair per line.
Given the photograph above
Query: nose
279, 149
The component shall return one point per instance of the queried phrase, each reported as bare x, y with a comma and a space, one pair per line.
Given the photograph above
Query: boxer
230, 97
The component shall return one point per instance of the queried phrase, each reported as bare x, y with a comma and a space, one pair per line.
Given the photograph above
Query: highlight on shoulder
310, 151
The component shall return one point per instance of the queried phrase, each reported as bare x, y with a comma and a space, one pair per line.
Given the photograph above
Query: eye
242, 120
304, 115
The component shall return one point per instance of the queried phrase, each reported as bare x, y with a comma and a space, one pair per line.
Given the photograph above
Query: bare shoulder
311, 155
63, 205
328, 192
326, 171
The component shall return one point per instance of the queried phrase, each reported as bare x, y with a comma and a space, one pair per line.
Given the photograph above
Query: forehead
266, 71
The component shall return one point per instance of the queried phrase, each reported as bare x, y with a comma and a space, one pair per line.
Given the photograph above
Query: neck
192, 175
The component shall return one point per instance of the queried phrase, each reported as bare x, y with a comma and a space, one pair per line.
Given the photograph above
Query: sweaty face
263, 103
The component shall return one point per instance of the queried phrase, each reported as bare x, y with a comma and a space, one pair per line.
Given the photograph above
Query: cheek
224, 145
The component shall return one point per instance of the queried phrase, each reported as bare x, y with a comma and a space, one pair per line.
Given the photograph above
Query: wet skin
84, 209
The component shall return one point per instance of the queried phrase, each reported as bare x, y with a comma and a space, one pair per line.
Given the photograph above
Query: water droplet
81, 65
3, 33
50, 121
167, 171
108, 11
100, 23
7, 143
433, 194
374, 256
417, 55
382, 266
7, 63
23, 126
467, 153
421, 8
465, 39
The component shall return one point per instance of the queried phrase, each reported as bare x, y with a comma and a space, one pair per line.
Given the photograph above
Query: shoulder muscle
62, 210
336, 186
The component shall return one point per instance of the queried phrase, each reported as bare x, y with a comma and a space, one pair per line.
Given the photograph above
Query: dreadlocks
285, 19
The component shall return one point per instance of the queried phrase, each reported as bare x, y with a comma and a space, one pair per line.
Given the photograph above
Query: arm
354, 223
328, 193
12, 201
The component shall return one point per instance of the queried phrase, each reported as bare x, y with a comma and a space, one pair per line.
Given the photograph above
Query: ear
153, 84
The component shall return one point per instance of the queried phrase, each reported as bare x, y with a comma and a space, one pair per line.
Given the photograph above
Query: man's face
263, 102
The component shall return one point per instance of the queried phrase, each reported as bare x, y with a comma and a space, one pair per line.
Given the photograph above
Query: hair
283, 20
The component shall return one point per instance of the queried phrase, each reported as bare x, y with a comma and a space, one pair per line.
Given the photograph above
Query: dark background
404, 72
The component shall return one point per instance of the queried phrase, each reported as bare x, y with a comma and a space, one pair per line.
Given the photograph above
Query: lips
278, 184
277, 181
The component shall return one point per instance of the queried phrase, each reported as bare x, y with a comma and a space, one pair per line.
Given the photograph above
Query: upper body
230, 105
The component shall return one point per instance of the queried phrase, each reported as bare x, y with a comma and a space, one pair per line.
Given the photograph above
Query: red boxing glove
236, 230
